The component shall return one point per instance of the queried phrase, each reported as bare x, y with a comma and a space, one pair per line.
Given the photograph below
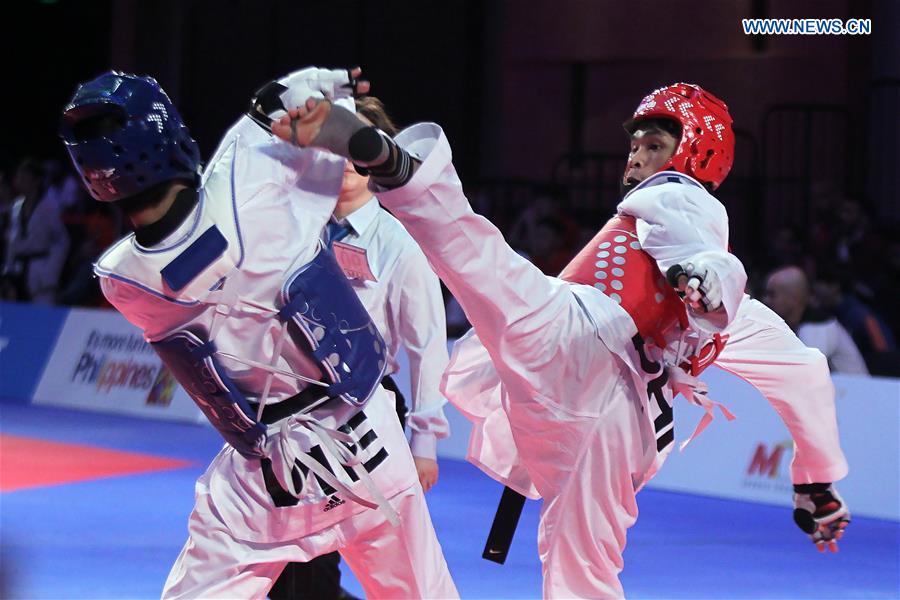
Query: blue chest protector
337, 333
341, 336
193, 363
325, 318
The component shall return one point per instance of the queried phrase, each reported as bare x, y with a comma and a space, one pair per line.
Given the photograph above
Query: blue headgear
141, 144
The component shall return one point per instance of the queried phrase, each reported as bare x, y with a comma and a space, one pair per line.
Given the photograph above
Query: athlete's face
650, 149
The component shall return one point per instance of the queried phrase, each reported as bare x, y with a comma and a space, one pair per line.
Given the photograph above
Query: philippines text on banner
101, 362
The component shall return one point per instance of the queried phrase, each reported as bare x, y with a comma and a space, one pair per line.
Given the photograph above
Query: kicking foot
302, 125
320, 124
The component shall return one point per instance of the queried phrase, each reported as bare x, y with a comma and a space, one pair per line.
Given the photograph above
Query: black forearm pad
811, 488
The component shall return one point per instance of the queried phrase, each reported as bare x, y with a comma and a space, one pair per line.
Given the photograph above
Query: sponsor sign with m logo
765, 463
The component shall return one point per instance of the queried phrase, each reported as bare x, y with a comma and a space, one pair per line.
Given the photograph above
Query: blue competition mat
117, 537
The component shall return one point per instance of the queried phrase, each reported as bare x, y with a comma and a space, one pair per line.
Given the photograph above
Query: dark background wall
515, 84
626, 53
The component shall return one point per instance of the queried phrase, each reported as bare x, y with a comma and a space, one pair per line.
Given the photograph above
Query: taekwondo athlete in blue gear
229, 279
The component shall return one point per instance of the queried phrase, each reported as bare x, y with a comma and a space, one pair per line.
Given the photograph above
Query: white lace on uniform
224, 301
692, 388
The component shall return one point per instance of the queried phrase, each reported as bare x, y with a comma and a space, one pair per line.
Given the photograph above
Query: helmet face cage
706, 148
141, 143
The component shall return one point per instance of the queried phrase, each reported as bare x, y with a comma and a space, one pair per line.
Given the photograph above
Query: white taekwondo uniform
550, 375
271, 202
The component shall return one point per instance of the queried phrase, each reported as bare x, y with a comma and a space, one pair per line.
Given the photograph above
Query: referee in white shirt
403, 295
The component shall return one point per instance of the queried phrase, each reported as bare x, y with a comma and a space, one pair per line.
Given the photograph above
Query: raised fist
697, 283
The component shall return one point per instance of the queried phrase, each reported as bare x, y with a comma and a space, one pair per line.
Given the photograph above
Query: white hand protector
332, 84
821, 512
698, 283
274, 99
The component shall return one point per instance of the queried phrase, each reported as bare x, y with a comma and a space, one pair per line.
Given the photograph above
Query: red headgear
706, 149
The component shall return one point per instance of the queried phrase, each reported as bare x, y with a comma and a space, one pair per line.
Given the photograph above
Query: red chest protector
614, 263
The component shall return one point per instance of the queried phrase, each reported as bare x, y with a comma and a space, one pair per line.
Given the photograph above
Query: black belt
310, 396
272, 413
504, 526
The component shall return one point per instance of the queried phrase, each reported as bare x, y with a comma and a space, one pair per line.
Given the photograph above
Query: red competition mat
29, 463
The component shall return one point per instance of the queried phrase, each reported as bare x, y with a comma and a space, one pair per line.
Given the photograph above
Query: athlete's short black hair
670, 126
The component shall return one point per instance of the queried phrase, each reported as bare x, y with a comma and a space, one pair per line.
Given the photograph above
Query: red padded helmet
706, 149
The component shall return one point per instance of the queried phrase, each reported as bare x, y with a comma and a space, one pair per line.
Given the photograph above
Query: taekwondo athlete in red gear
569, 385
756, 345
557, 367
227, 277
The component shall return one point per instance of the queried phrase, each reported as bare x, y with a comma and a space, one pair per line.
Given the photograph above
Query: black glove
821, 512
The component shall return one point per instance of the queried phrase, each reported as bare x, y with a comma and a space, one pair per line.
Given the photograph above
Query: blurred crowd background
532, 96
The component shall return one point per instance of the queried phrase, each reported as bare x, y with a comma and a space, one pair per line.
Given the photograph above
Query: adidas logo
333, 502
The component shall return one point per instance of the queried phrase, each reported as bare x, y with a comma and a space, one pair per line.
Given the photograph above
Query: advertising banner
27, 333
101, 362
749, 458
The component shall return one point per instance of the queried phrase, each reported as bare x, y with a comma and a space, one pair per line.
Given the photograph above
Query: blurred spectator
530, 228
854, 246
787, 293
873, 337
820, 230
787, 247
523, 229
36, 239
852, 230
63, 188
550, 248
6, 202
93, 227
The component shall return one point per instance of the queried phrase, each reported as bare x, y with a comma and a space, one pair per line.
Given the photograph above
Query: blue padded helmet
125, 136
